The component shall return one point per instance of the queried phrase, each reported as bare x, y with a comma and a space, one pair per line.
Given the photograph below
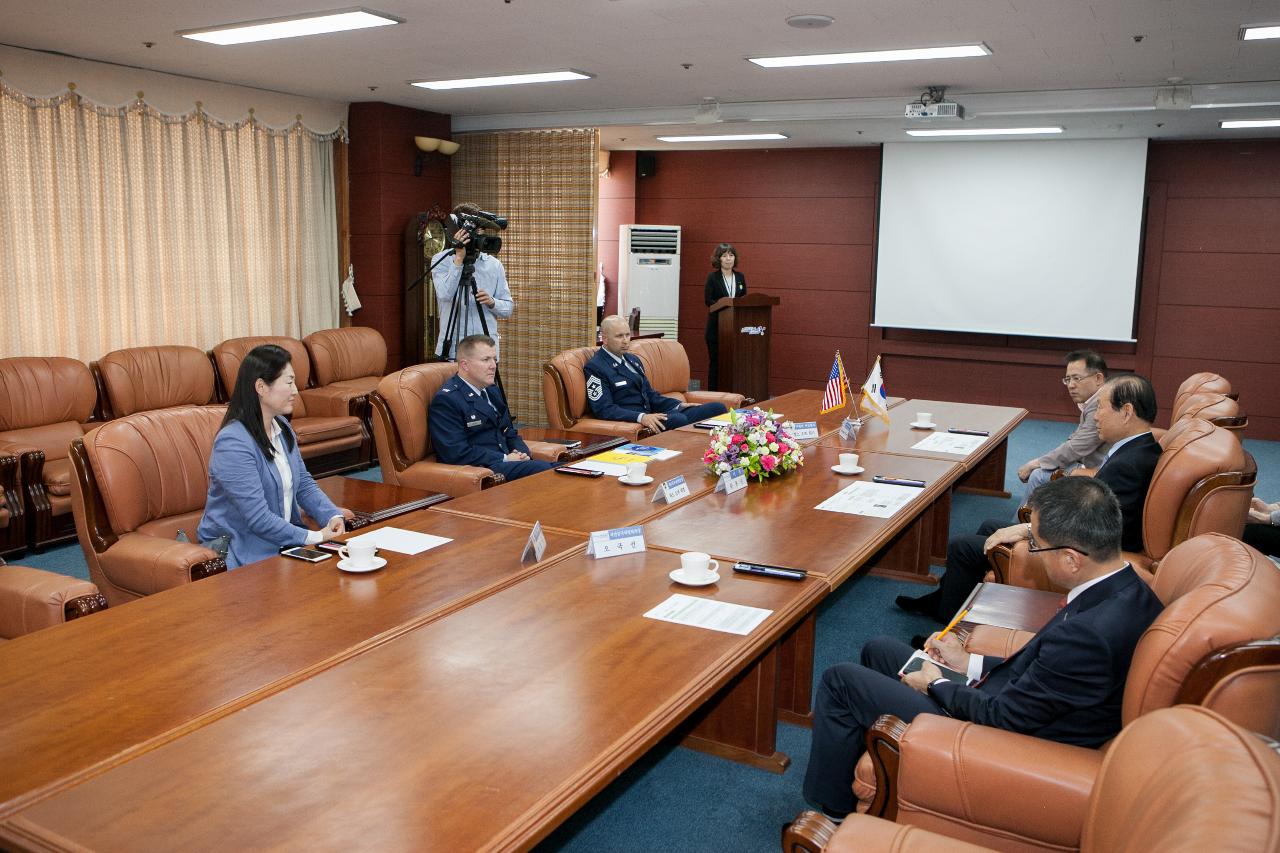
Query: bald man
617, 389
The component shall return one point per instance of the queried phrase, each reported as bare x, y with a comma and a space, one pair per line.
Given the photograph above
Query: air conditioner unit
649, 276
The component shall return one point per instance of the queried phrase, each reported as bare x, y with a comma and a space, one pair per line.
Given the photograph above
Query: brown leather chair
1222, 605
1217, 409
1180, 779
31, 599
1202, 383
667, 365
1202, 483
44, 405
142, 378
138, 481
564, 391
400, 415
13, 522
330, 438
348, 363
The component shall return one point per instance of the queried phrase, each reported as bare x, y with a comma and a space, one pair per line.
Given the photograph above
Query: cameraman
491, 290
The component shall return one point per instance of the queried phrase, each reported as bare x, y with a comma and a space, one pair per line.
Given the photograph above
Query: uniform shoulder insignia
595, 388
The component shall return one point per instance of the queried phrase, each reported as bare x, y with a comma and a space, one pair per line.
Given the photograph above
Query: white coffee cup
924, 417
635, 471
359, 555
697, 566
848, 461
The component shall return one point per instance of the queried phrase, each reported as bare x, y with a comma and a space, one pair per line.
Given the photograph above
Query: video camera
472, 223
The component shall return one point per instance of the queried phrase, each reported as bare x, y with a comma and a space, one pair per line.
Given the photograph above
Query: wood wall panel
782, 220
1229, 334
384, 195
1244, 169
1241, 225
617, 206
1221, 278
801, 174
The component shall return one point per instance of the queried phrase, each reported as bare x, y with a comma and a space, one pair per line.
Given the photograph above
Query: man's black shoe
922, 605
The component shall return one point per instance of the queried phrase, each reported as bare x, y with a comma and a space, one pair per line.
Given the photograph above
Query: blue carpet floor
675, 798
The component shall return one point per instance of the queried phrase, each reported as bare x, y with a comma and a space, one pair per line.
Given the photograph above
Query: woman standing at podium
723, 281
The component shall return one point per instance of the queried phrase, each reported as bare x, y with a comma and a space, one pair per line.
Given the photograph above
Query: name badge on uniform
475, 423
536, 546
620, 384
671, 491
731, 481
612, 543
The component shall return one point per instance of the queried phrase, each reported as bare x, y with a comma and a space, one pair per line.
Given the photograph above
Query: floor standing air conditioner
649, 276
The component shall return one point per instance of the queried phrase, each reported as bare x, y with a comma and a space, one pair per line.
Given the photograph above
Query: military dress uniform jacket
615, 393
465, 430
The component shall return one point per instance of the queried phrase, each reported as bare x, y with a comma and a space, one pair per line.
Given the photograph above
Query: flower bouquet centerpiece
756, 441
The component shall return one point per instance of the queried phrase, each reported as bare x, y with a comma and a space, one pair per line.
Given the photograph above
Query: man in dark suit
1066, 684
470, 423
618, 390
1126, 408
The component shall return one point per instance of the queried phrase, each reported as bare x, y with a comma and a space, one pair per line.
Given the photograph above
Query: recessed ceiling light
1253, 32
1246, 123
311, 24
952, 52
725, 137
987, 131
504, 80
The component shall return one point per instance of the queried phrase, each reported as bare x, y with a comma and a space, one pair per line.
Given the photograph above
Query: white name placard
671, 491
732, 481
804, 431
615, 542
536, 546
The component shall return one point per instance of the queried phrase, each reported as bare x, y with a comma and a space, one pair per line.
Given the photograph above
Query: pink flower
768, 462
739, 438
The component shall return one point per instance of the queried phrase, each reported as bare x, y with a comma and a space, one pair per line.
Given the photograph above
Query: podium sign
746, 334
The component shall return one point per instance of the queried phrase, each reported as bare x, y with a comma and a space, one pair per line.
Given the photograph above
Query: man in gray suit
1086, 373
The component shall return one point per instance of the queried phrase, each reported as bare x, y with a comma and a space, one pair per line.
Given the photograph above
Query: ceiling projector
940, 109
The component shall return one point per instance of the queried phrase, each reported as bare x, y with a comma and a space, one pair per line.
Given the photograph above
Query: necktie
484, 392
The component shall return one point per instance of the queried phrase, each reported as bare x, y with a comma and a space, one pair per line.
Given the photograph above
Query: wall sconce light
427, 144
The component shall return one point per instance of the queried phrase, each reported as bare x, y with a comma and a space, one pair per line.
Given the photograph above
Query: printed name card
536, 546
804, 431
731, 481
849, 428
671, 491
614, 543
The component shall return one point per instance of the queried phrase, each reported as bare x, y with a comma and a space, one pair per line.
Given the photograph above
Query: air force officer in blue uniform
470, 423
617, 389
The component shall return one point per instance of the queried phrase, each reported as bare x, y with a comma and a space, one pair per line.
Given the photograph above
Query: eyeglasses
1033, 548
1069, 378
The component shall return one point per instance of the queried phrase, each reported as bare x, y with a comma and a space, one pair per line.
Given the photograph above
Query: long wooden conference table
458, 698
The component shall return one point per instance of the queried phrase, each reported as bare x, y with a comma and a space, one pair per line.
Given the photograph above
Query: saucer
678, 576
856, 469
643, 481
918, 425
378, 562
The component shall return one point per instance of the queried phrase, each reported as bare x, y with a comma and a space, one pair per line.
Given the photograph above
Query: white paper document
707, 613
609, 469
400, 540
949, 442
877, 500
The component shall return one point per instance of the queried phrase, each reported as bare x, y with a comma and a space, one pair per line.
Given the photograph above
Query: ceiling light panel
725, 137
299, 25
1260, 31
958, 51
988, 131
1241, 124
504, 80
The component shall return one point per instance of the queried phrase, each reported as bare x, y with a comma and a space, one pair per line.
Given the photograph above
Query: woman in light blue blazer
258, 486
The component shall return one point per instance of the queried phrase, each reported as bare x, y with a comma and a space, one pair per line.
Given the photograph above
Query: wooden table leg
941, 521
795, 673
907, 556
740, 722
987, 477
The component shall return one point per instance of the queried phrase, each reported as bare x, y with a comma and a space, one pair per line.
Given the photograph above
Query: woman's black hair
720, 250
265, 362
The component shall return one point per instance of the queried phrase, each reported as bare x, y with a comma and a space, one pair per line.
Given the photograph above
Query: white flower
722, 467
773, 447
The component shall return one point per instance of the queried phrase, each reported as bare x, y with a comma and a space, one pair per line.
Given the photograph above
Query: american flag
833, 397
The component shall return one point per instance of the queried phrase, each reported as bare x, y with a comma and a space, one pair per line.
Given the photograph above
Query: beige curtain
545, 183
124, 227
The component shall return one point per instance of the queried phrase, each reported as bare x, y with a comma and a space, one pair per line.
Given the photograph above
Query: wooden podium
745, 325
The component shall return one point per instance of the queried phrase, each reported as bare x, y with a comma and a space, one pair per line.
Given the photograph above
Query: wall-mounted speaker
646, 164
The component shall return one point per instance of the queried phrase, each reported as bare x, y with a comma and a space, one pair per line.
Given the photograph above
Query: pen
958, 431
953, 623
898, 481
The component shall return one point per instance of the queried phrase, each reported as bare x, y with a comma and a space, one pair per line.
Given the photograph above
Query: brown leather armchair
1202, 483
31, 599
330, 437
1220, 612
1202, 383
44, 405
138, 481
142, 378
348, 363
400, 415
1180, 779
667, 365
1217, 409
564, 391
